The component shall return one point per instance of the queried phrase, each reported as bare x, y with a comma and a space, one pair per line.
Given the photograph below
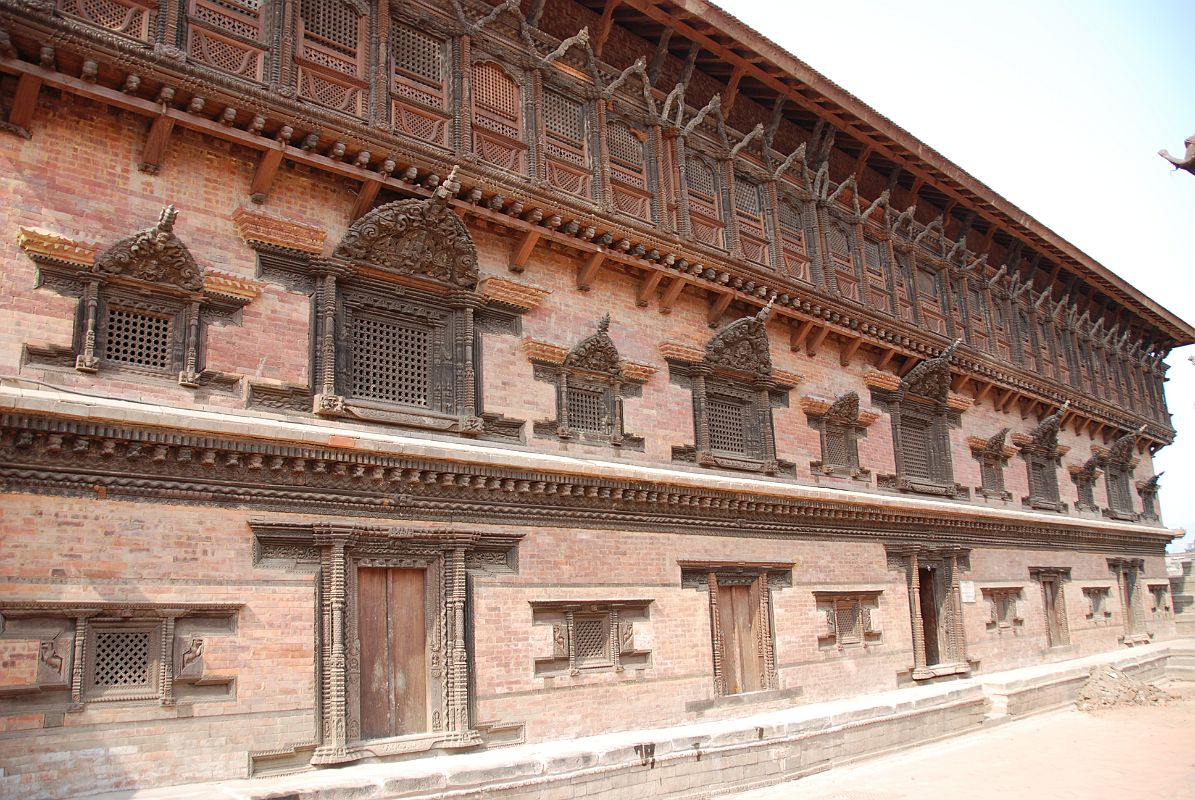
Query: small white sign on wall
967, 590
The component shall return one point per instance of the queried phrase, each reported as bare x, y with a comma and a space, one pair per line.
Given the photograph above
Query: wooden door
392, 625
930, 616
739, 619
1049, 589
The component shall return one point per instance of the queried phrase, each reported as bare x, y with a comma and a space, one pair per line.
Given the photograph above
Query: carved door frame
336, 550
951, 560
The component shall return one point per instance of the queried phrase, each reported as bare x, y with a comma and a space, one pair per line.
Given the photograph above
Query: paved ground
1121, 753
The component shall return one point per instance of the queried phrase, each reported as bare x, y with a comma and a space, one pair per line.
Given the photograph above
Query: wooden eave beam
647, 287
848, 351
589, 270
1002, 403
522, 251
885, 358
604, 26
731, 95
799, 334
671, 293
718, 307
156, 142
24, 101
814, 343
267, 169
365, 197
907, 366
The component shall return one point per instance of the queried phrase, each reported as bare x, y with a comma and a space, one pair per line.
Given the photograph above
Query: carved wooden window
905, 289
1000, 328
733, 392
840, 238
390, 359
923, 442
1097, 603
566, 143
589, 636
921, 421
1002, 608
144, 308
1043, 478
991, 476
849, 619
419, 88
128, 17
1120, 496
114, 653
497, 117
1084, 478
840, 424
875, 265
1046, 357
331, 54
591, 381
228, 35
742, 634
749, 204
977, 318
705, 220
794, 256
992, 455
628, 169
1027, 346
1148, 492
929, 297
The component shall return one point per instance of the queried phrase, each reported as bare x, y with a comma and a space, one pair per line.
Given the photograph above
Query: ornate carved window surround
117, 652
1084, 477
734, 389
944, 564
992, 454
1043, 456
591, 382
922, 410
841, 424
1002, 603
144, 305
760, 579
397, 316
1097, 603
1147, 490
1118, 462
591, 636
336, 551
850, 618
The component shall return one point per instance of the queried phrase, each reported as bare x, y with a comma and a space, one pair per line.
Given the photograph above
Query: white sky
1058, 105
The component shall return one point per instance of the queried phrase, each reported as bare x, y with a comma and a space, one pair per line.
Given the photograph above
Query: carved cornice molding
511, 293
638, 371
42, 245
686, 353
544, 352
884, 381
257, 229
58, 456
232, 287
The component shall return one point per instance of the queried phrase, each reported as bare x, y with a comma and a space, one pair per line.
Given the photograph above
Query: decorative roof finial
949, 351
166, 218
766, 311
448, 187
604, 323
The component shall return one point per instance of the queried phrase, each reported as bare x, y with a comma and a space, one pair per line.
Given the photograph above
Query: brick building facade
381, 378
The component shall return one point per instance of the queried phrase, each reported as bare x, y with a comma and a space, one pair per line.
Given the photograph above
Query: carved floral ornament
743, 345
416, 237
931, 378
596, 353
154, 255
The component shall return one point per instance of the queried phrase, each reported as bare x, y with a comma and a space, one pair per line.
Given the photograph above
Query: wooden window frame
206, 37
619, 619
1002, 605
488, 140
1059, 577
866, 605
419, 107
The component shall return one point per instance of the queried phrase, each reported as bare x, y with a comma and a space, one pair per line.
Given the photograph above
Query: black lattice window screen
872, 254
1044, 479
915, 433
495, 91
624, 145
390, 361
121, 659
587, 410
564, 117
727, 424
992, 477
591, 641
1119, 498
700, 178
746, 196
331, 22
836, 448
236, 16
133, 337
848, 621
790, 219
840, 240
418, 54
927, 283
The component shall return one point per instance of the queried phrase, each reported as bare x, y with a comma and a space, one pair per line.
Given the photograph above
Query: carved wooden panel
930, 298
566, 148
419, 85
129, 17
794, 254
875, 269
227, 34
840, 239
703, 189
332, 54
628, 169
749, 205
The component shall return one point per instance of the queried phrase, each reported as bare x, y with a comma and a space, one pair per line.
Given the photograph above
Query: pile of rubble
1109, 687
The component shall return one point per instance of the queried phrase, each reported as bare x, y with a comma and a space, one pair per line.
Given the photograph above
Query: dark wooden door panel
391, 623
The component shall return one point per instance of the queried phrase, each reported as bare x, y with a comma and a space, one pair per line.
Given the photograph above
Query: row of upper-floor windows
608, 155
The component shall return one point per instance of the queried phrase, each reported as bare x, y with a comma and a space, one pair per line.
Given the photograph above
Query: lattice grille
848, 622
992, 477
332, 22
872, 254
624, 145
746, 196
235, 17
840, 240
564, 117
1118, 491
127, 18
587, 410
836, 450
727, 425
790, 219
927, 283
700, 177
495, 91
591, 641
419, 54
915, 446
390, 362
1043, 479
132, 337
223, 54
121, 659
